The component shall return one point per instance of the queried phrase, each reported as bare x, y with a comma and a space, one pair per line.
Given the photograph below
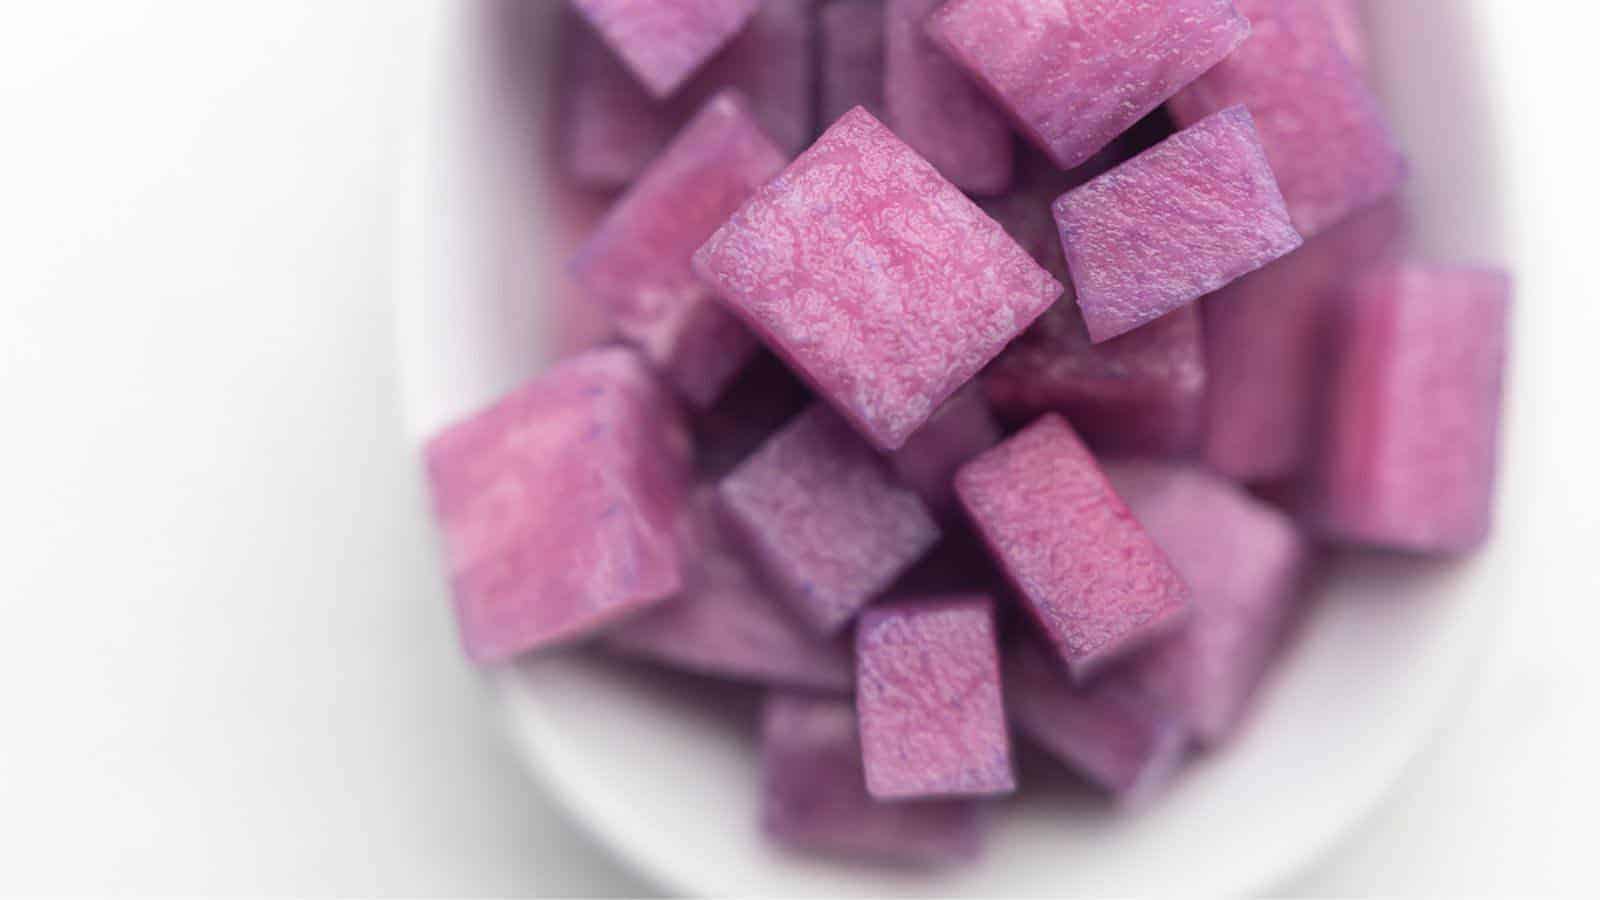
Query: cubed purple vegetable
826, 518
1414, 422
1174, 223
1324, 131
960, 430
875, 278
928, 694
814, 794
726, 622
1074, 74
665, 41
937, 109
1095, 582
638, 262
852, 41
558, 503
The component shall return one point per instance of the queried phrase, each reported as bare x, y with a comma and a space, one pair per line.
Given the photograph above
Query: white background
224, 663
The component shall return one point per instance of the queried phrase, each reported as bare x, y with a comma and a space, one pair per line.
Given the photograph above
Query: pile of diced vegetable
981, 371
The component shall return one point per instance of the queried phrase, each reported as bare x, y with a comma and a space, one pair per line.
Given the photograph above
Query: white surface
225, 665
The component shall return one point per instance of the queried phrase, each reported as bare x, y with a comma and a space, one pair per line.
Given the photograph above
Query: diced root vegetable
664, 41
928, 696
960, 430
852, 42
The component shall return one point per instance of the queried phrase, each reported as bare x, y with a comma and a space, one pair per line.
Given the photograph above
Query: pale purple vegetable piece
638, 261
852, 41
725, 622
1174, 223
825, 517
610, 125
1090, 575
1325, 133
928, 695
1074, 74
1108, 732
1415, 415
1349, 29
937, 109
558, 503
1244, 562
814, 793
664, 41
875, 278
961, 429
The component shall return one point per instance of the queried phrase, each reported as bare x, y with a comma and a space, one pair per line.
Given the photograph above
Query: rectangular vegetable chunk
852, 39
665, 41
557, 505
928, 694
1172, 224
875, 278
638, 261
726, 623
1244, 561
1074, 74
814, 795
960, 430
1415, 415
826, 518
937, 109
1324, 131
1096, 583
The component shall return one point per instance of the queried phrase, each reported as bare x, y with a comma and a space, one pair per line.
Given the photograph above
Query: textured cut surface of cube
558, 503
726, 622
664, 41
1172, 224
826, 518
1107, 732
937, 109
1326, 135
875, 278
1074, 74
1244, 562
638, 262
1415, 411
852, 42
1091, 577
928, 693
960, 430
814, 793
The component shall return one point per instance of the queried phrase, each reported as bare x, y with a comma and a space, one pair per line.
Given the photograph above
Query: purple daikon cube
928, 694
875, 278
665, 41
1108, 732
825, 517
1324, 131
1414, 423
1172, 224
852, 40
638, 261
725, 622
1090, 575
1244, 562
814, 793
960, 430
1074, 74
557, 505
937, 109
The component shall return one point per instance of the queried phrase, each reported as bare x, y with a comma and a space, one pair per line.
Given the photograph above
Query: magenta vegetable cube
726, 622
638, 261
1174, 223
928, 694
665, 41
1411, 454
1074, 74
826, 518
960, 430
557, 505
852, 41
937, 109
875, 278
814, 794
1324, 131
1090, 575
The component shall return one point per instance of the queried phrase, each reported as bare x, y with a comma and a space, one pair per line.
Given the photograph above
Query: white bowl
669, 780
